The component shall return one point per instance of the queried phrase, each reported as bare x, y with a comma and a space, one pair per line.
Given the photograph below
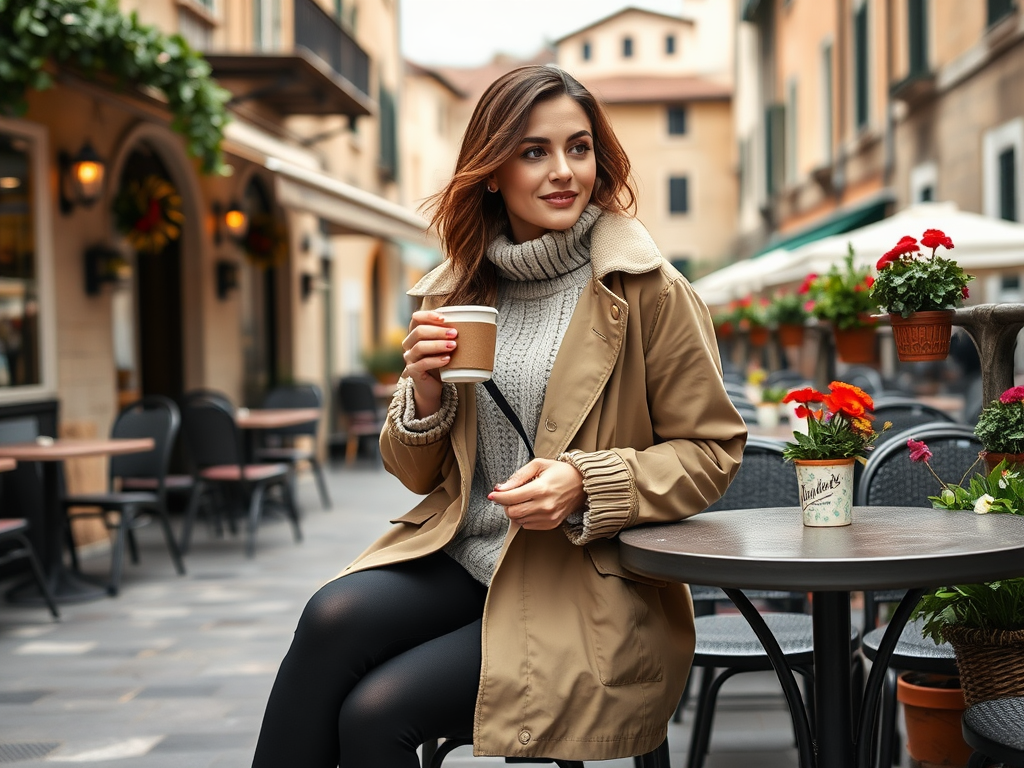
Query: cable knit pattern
402, 421
539, 284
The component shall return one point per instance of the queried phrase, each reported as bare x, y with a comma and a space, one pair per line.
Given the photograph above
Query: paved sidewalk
175, 672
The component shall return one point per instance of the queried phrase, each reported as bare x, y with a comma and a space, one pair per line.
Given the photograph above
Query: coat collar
619, 243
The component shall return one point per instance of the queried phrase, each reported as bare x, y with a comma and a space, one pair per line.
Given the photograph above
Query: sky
466, 33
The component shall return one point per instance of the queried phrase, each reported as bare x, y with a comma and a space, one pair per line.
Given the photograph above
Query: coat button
615, 311
524, 737
549, 425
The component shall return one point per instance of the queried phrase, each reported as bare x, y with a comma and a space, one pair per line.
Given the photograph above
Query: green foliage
1000, 427
995, 605
1001, 490
832, 439
751, 312
787, 309
919, 284
94, 38
773, 394
843, 296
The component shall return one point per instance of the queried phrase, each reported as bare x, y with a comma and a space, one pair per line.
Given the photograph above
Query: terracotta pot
992, 458
990, 661
856, 345
826, 491
923, 335
758, 336
724, 331
791, 335
932, 708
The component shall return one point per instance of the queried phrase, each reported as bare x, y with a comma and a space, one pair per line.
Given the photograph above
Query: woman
498, 606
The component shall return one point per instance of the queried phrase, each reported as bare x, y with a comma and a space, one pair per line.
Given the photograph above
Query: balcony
325, 73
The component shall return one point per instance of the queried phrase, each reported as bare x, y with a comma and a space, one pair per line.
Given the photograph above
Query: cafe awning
843, 220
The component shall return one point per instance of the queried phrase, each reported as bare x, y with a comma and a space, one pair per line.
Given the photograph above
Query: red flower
849, 400
918, 450
869, 281
965, 292
805, 286
804, 396
933, 238
906, 245
1012, 395
885, 261
803, 412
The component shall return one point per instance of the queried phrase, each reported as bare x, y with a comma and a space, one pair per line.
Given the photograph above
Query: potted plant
839, 432
386, 361
920, 292
751, 316
787, 312
768, 408
1000, 428
842, 297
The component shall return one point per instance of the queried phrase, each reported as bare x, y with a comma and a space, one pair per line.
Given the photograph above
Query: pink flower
918, 450
1012, 395
933, 238
806, 285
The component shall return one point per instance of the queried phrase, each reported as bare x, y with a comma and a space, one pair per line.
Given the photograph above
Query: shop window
917, 34
676, 121
586, 51
679, 194
860, 65
627, 47
1003, 170
670, 45
999, 10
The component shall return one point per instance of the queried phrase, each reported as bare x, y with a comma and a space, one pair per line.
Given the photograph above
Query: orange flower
849, 400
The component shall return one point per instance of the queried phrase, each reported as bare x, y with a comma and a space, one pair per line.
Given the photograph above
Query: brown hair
467, 218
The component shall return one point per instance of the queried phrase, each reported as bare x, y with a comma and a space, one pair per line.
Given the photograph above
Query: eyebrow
543, 140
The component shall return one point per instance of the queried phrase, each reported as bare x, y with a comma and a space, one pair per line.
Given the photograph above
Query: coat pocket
417, 516
627, 628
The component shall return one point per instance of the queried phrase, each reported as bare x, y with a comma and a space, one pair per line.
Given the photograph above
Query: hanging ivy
93, 37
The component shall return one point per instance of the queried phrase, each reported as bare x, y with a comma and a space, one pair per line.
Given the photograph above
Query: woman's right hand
428, 348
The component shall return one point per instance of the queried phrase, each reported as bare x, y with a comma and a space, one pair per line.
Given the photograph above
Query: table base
65, 586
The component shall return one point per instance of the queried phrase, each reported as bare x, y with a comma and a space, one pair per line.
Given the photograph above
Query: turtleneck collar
550, 255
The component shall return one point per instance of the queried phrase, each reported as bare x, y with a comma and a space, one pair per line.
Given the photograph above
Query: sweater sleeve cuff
611, 496
407, 429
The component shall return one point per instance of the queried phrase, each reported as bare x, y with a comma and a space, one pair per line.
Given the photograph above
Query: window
681, 263
627, 47
670, 44
27, 335
917, 33
791, 123
266, 16
1009, 289
676, 121
998, 10
388, 162
586, 51
826, 101
1003, 170
678, 195
338, 9
775, 147
924, 182
860, 65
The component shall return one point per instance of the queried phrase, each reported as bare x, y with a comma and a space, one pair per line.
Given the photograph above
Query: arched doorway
147, 307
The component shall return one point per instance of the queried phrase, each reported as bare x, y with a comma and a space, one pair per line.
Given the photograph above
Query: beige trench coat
583, 660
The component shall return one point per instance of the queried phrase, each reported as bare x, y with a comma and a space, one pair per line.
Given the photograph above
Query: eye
533, 153
580, 149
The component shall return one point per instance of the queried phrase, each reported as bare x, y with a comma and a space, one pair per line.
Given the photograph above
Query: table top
73, 448
6, 465
273, 418
884, 548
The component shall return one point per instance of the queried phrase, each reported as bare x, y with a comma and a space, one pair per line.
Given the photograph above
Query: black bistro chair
280, 444
217, 453
361, 414
124, 510
906, 412
15, 545
995, 731
890, 478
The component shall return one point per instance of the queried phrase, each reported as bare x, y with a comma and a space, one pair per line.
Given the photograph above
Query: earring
492, 187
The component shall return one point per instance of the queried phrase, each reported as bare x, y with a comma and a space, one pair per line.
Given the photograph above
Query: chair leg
172, 545
704, 721
190, 516
292, 510
887, 724
351, 449
255, 512
69, 538
40, 577
133, 546
117, 559
321, 483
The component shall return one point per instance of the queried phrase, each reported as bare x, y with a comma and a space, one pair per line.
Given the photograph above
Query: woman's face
548, 182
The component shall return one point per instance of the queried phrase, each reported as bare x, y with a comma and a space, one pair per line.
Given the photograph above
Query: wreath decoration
148, 213
266, 241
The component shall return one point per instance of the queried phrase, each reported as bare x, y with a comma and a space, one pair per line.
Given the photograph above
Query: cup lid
467, 308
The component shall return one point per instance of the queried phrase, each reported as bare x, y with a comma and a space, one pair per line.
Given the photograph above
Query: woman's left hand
541, 494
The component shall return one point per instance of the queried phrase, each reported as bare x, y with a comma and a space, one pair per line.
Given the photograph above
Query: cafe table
274, 418
910, 548
49, 524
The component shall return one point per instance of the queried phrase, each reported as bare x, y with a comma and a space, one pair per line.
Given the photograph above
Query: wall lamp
231, 220
81, 178
227, 278
103, 264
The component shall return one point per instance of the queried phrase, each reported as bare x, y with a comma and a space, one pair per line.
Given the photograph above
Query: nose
560, 170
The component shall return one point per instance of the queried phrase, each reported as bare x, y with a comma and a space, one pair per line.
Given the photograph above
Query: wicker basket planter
923, 335
991, 661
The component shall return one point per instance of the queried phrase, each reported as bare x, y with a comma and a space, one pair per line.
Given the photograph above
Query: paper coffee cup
473, 358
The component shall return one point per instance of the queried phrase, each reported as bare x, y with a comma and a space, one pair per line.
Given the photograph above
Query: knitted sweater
539, 283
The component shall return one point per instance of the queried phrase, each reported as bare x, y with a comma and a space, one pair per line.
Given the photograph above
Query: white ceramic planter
767, 415
826, 491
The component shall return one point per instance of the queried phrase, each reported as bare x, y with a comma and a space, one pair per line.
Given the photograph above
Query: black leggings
382, 660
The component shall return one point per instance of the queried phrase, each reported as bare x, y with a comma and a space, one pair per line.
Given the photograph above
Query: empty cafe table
48, 523
909, 548
274, 418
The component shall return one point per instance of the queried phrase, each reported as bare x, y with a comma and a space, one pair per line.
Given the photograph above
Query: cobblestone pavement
175, 672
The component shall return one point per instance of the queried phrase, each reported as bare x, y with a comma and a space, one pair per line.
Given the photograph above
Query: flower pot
758, 336
791, 335
767, 415
856, 345
826, 491
992, 459
932, 708
990, 661
724, 331
923, 335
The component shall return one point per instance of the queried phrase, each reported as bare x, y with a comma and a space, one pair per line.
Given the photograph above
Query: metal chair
14, 531
906, 412
360, 412
123, 510
995, 731
891, 479
217, 452
659, 758
279, 444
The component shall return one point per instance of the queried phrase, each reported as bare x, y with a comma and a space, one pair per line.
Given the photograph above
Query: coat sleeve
699, 435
